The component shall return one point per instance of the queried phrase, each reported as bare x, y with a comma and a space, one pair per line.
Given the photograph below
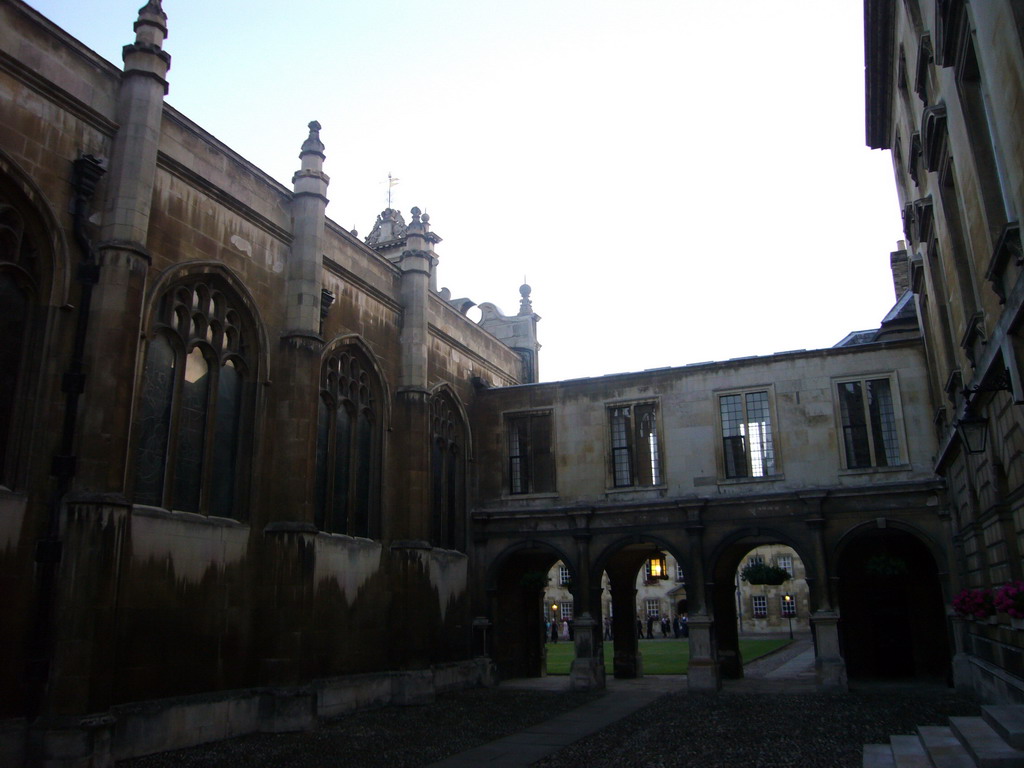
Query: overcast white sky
679, 181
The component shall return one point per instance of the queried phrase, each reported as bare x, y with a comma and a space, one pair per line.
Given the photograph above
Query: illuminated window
748, 448
636, 458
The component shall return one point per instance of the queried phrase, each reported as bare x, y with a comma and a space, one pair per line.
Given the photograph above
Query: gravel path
761, 730
394, 737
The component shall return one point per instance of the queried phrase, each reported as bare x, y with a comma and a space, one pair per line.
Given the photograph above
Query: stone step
984, 744
878, 756
909, 752
944, 748
1008, 722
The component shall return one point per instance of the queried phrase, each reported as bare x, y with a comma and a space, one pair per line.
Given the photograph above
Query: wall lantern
554, 607
658, 568
973, 432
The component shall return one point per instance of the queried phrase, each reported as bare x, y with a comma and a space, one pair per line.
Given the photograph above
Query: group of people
676, 627
554, 630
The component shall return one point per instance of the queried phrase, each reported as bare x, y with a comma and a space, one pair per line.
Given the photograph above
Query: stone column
829, 666
112, 345
587, 672
703, 674
628, 661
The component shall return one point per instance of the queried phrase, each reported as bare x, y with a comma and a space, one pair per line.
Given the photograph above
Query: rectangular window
755, 560
759, 603
636, 459
868, 417
785, 562
531, 462
566, 611
787, 606
748, 448
653, 609
563, 575
679, 573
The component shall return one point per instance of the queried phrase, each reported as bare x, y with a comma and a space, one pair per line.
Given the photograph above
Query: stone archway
722, 588
892, 612
622, 562
516, 585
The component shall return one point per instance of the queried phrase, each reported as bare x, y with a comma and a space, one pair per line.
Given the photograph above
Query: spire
310, 178
151, 27
146, 55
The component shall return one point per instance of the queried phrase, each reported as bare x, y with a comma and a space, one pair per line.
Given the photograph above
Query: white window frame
680, 575
758, 466
566, 610
759, 606
785, 562
564, 576
652, 608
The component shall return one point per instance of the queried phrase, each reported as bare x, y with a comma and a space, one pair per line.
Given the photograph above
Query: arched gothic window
447, 474
196, 403
17, 296
348, 446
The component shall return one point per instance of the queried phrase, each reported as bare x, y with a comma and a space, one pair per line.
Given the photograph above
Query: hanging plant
761, 573
534, 579
886, 567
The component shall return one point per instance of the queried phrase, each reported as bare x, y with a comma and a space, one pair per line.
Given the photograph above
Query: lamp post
787, 601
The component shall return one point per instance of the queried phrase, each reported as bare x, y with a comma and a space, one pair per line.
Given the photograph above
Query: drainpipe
87, 172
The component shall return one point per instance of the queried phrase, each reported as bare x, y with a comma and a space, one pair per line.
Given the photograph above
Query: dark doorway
519, 614
892, 619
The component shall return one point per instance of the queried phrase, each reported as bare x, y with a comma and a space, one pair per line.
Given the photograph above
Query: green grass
661, 657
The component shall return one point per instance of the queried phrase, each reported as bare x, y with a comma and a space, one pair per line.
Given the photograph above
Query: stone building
239, 445
945, 94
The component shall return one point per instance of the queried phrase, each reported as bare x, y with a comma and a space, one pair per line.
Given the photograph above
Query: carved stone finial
525, 305
390, 226
313, 143
416, 215
151, 26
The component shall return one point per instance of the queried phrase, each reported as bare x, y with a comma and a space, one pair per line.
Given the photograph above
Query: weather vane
391, 183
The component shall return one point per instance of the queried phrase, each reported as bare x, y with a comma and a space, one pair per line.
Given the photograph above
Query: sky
678, 181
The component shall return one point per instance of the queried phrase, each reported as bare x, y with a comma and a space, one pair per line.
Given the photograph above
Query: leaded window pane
734, 449
225, 441
518, 452
363, 464
883, 423
648, 459
342, 446
191, 434
855, 430
622, 471
759, 434
154, 421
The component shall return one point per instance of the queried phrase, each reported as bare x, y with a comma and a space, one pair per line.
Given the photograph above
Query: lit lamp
658, 568
787, 600
973, 432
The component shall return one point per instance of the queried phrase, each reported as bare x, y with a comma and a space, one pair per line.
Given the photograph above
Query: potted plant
975, 603
761, 573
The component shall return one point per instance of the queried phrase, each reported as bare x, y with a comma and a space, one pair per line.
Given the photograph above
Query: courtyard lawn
661, 657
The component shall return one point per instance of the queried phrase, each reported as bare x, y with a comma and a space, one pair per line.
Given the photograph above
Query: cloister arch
724, 561
890, 594
515, 588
